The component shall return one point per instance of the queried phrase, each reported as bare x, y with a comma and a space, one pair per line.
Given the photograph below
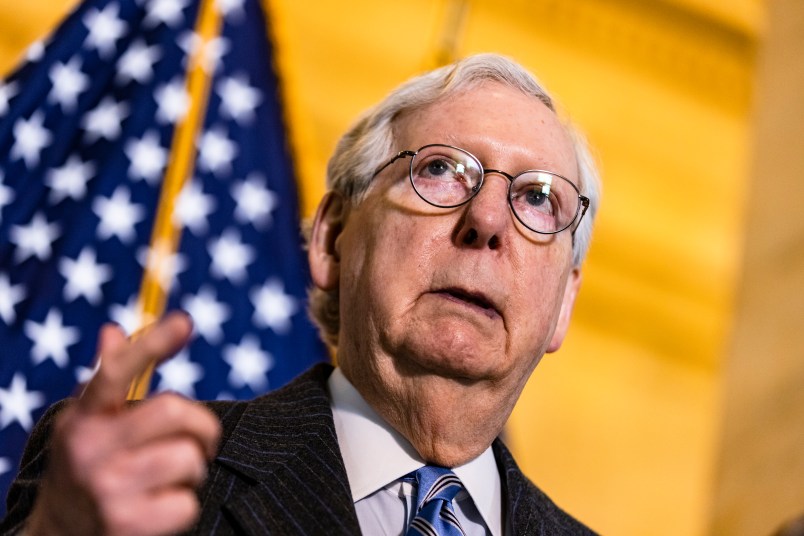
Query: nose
486, 216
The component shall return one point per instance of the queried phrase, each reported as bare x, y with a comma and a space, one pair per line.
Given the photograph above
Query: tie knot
437, 486
436, 483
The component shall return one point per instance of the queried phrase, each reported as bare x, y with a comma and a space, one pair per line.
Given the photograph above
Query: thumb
121, 359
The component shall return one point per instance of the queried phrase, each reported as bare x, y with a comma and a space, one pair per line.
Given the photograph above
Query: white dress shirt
376, 456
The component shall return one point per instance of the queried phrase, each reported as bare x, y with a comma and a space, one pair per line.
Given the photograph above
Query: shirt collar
375, 454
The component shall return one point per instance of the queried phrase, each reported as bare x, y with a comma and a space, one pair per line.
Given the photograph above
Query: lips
476, 300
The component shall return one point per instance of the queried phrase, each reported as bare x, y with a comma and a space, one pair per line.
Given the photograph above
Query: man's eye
437, 167
536, 198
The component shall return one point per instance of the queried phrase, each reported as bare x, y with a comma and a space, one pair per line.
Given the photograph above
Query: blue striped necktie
437, 486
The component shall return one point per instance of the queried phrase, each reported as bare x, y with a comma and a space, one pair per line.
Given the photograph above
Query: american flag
87, 124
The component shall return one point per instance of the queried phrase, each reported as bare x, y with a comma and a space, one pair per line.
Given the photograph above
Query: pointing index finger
121, 360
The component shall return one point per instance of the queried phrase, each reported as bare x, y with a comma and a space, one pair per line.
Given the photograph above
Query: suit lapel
280, 470
520, 512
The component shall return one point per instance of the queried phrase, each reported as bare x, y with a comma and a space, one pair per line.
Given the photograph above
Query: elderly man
446, 260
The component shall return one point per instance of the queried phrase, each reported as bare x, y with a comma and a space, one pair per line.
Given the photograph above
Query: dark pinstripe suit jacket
279, 471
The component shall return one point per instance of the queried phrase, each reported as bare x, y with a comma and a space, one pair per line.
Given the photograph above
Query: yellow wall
760, 467
623, 427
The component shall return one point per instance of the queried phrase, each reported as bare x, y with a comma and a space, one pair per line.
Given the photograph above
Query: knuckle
188, 455
104, 483
198, 466
214, 424
187, 508
172, 407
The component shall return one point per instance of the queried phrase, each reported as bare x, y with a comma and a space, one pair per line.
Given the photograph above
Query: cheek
539, 294
407, 248
381, 263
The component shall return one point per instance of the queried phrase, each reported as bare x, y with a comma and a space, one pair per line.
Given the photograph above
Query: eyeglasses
447, 177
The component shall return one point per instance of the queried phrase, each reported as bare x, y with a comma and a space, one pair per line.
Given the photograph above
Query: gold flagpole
167, 232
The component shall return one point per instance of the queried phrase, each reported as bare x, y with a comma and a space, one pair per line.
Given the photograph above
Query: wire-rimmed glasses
447, 177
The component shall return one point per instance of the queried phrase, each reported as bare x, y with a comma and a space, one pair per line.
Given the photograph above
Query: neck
448, 421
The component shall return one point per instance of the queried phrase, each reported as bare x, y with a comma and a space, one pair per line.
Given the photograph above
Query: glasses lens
445, 176
544, 202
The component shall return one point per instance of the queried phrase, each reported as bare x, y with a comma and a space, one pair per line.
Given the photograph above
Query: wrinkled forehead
500, 125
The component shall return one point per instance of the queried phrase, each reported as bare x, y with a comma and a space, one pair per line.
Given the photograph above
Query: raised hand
120, 469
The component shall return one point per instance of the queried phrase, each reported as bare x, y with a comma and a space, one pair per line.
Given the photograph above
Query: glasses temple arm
400, 154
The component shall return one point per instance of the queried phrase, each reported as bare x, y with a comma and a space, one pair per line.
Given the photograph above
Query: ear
567, 303
323, 253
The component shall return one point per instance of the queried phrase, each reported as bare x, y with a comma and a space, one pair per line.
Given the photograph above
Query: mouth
476, 300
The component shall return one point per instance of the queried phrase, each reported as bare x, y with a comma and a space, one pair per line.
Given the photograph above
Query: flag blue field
86, 129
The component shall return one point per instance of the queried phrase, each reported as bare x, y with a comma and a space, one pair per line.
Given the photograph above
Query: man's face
466, 294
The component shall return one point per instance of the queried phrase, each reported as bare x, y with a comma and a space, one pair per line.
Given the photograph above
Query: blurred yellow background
676, 406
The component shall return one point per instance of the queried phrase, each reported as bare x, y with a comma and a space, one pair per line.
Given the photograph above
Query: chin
451, 353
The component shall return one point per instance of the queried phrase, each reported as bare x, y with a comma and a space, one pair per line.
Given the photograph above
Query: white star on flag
230, 256
168, 12
104, 121
5, 465
34, 239
207, 53
118, 215
51, 339
249, 363
272, 307
208, 314
173, 101
130, 316
255, 202
69, 180
35, 51
30, 137
84, 374
7, 92
239, 100
105, 28
10, 296
147, 156
137, 63
6, 196
179, 375
17, 403
162, 263
68, 82
193, 208
230, 8
84, 276
216, 152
